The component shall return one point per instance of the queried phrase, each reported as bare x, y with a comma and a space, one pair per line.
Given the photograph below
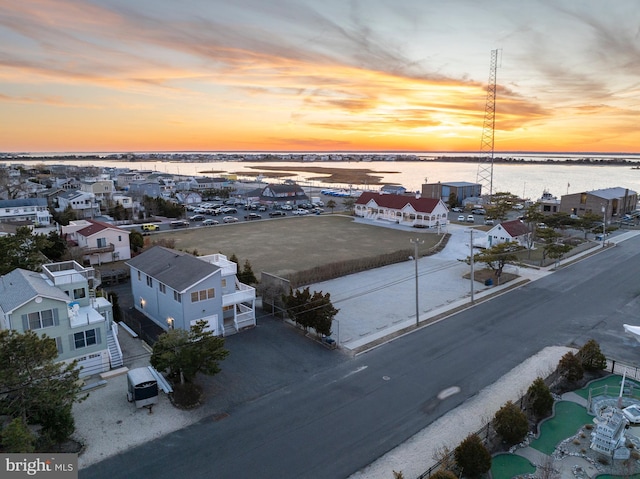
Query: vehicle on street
489, 222
277, 213
262, 208
300, 212
479, 211
179, 224
149, 227
457, 209
230, 219
197, 218
461, 218
252, 216
210, 222
471, 219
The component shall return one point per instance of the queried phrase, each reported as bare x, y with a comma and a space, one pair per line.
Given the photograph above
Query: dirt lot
282, 246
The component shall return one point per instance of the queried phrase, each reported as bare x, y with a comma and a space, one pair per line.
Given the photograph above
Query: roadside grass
289, 245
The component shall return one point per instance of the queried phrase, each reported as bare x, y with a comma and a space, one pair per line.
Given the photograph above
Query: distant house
60, 302
123, 200
462, 190
175, 289
83, 204
275, 194
609, 203
100, 242
189, 198
514, 231
102, 190
140, 188
404, 210
33, 210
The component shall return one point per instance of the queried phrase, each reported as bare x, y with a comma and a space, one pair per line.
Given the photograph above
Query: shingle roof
20, 286
515, 228
96, 227
397, 202
176, 269
23, 202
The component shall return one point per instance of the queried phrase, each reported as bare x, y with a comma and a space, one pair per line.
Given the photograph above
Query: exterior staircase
115, 353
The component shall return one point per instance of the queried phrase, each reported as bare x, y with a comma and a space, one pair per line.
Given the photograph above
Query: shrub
511, 423
472, 456
570, 367
539, 398
443, 474
16, 438
591, 357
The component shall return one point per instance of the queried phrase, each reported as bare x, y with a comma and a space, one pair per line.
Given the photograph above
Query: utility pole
415, 243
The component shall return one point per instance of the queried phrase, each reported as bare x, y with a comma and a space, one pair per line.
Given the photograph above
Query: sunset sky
330, 75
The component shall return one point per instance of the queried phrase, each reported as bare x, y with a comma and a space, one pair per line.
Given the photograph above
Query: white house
403, 210
84, 204
175, 289
514, 231
100, 242
61, 303
25, 209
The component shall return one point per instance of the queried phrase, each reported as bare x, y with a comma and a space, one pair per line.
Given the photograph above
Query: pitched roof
515, 228
282, 188
21, 285
397, 202
176, 269
96, 227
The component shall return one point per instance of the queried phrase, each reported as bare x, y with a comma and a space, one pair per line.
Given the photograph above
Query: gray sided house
140, 188
460, 189
60, 303
274, 194
175, 289
34, 210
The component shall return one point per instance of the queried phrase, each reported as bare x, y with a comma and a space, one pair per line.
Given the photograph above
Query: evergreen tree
311, 311
591, 357
472, 457
247, 276
511, 423
16, 438
570, 367
539, 398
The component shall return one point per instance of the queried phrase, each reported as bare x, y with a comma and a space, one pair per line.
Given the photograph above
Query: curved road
338, 421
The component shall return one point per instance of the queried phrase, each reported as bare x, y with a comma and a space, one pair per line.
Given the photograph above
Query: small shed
142, 387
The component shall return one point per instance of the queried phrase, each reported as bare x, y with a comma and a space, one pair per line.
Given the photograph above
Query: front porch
239, 309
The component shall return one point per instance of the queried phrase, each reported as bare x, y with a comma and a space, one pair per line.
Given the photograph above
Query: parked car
457, 209
541, 226
230, 219
179, 224
489, 222
149, 227
518, 206
277, 213
479, 211
471, 219
210, 222
286, 207
461, 218
252, 216
300, 211
262, 208
197, 218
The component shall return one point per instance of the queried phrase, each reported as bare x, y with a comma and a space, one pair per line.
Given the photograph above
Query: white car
461, 218
300, 211
471, 219
457, 209
210, 222
230, 219
286, 207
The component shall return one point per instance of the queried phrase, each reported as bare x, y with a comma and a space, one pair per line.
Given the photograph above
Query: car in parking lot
541, 226
471, 219
210, 222
479, 211
230, 219
277, 213
300, 211
197, 218
179, 224
252, 216
461, 218
457, 209
489, 222
286, 207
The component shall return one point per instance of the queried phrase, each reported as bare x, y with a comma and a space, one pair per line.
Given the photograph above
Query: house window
149, 281
102, 242
139, 276
227, 308
41, 319
224, 283
583, 198
177, 297
162, 288
85, 338
119, 238
79, 293
203, 295
59, 345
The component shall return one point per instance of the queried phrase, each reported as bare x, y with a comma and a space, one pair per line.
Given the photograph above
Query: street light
604, 220
415, 244
471, 275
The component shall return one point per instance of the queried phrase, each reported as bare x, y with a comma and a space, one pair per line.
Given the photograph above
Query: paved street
341, 418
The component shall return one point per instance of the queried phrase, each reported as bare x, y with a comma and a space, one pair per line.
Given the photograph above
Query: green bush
472, 457
511, 423
16, 438
570, 367
591, 357
540, 399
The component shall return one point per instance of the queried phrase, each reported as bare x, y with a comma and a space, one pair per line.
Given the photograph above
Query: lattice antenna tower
485, 164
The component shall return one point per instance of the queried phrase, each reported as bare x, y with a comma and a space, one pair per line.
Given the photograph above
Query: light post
415, 243
604, 220
471, 260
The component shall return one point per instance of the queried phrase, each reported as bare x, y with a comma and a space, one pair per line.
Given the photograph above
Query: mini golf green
613, 386
506, 466
568, 418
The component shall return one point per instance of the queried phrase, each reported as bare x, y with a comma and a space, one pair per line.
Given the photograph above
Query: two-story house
100, 242
102, 190
514, 231
84, 204
34, 210
175, 289
274, 194
60, 303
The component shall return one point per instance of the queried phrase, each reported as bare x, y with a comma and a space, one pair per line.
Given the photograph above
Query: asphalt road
339, 420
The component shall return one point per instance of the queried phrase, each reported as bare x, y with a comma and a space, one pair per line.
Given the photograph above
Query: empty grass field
292, 244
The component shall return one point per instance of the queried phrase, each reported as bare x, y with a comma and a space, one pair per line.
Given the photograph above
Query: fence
613, 366
148, 334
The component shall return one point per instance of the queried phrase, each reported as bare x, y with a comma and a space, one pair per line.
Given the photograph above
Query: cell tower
485, 164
